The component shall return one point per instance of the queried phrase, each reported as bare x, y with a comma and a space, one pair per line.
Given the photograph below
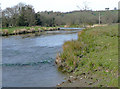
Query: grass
95, 52
12, 29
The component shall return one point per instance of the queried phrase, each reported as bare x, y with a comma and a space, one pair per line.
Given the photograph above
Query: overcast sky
63, 5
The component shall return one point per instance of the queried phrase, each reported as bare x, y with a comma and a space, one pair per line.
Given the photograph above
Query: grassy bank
94, 54
23, 30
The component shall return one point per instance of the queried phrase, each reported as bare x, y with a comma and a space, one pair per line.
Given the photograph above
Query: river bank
92, 60
25, 30
10, 31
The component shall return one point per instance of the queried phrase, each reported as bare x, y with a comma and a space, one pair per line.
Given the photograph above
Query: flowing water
29, 62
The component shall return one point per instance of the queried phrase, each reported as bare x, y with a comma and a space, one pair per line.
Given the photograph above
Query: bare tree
84, 6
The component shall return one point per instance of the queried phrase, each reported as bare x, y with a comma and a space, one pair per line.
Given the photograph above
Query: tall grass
95, 52
36, 28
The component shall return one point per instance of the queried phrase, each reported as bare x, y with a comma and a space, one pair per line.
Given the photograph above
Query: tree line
25, 15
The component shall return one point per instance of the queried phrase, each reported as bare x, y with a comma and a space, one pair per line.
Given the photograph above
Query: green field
95, 53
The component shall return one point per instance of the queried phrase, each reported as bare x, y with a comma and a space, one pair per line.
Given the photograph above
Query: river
29, 62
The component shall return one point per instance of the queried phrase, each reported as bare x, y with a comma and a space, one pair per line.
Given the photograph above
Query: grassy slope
95, 52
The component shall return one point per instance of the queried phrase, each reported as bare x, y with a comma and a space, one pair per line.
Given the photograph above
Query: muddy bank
83, 80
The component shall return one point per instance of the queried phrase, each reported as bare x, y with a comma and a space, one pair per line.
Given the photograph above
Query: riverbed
29, 62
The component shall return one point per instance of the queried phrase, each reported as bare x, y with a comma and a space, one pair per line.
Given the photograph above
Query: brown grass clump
32, 30
39, 29
5, 32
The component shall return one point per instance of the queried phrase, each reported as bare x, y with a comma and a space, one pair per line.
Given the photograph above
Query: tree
19, 15
30, 15
108, 18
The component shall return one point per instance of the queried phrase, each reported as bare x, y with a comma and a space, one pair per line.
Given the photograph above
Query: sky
63, 5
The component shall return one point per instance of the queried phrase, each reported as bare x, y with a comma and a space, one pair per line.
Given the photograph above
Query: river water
29, 62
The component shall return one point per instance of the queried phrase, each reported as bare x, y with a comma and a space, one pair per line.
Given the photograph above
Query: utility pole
99, 18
